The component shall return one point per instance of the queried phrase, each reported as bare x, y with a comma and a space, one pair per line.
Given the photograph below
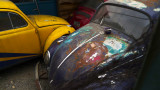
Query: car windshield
128, 21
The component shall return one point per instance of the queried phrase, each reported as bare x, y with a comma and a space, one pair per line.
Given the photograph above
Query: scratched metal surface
84, 50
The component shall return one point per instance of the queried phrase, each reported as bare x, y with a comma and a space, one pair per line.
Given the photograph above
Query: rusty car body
107, 53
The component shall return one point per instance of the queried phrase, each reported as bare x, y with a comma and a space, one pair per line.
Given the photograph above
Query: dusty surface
19, 77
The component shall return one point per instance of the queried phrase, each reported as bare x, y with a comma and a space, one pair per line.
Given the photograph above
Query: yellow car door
18, 37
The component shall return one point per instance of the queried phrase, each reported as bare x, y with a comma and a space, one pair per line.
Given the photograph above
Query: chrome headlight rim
47, 57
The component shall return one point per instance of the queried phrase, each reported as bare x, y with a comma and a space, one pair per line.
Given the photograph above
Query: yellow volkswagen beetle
24, 37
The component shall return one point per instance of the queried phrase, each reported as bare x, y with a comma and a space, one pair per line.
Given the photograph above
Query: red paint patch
90, 54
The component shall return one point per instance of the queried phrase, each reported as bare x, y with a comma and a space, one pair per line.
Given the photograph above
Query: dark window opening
17, 20
21, 1
5, 23
44, 0
11, 21
128, 21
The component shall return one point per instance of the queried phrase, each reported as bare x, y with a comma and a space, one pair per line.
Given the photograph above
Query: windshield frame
123, 6
127, 7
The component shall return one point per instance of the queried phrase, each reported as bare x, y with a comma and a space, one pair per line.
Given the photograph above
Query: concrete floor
19, 77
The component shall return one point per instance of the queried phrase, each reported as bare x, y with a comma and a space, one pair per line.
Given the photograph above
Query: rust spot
69, 50
90, 55
150, 3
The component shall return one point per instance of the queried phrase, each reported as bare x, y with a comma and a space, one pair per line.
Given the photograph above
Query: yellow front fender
57, 33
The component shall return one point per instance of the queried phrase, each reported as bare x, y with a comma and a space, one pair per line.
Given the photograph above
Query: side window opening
17, 20
5, 23
10, 20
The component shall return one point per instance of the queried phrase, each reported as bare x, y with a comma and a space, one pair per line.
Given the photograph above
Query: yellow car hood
47, 20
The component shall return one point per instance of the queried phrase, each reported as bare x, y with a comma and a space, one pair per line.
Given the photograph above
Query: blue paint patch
68, 41
87, 28
5, 64
3, 55
83, 29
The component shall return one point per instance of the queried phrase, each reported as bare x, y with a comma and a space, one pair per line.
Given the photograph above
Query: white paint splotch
113, 43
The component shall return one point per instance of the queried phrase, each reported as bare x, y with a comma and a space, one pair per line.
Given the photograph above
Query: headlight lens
47, 57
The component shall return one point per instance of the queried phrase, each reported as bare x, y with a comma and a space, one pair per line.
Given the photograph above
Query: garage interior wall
66, 7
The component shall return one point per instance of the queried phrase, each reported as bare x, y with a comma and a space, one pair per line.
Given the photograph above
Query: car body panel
7, 4
12, 41
93, 58
46, 24
27, 41
149, 6
63, 30
149, 76
47, 20
15, 61
84, 50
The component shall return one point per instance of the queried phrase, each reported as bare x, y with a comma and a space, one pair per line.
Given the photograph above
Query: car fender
57, 33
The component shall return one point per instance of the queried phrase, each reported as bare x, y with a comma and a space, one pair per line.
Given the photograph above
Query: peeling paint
68, 41
93, 56
150, 3
89, 50
134, 3
89, 58
83, 29
114, 45
141, 4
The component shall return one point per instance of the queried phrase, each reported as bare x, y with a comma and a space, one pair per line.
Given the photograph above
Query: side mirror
107, 30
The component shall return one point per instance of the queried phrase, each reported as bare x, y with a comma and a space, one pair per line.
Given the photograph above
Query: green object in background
46, 7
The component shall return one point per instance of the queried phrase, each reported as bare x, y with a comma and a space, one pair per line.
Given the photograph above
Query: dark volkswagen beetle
107, 53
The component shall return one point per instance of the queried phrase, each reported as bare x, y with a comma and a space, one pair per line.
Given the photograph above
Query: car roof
152, 7
6, 4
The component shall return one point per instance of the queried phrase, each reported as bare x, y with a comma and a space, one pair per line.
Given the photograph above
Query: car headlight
47, 57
